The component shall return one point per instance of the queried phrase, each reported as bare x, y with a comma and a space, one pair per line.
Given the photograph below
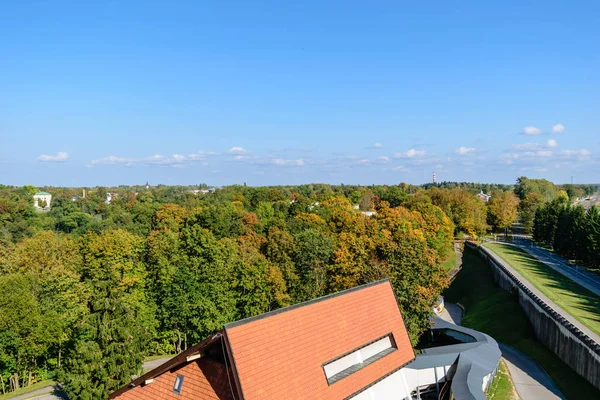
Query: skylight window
178, 384
349, 363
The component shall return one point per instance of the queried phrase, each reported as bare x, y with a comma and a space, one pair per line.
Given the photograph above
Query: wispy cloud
558, 128
282, 162
412, 153
465, 151
551, 143
581, 153
176, 160
237, 150
376, 145
61, 156
532, 131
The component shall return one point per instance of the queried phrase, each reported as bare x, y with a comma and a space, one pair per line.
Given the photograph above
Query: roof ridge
302, 304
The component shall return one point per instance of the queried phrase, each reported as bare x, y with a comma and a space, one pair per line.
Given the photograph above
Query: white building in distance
42, 200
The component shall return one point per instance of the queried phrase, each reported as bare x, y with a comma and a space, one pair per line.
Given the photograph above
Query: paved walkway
55, 393
594, 336
45, 393
531, 381
452, 313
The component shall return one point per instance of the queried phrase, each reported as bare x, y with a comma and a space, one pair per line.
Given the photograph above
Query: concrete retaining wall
569, 343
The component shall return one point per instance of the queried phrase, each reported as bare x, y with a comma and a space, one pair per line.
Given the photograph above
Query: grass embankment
152, 358
450, 263
491, 310
503, 387
570, 296
28, 389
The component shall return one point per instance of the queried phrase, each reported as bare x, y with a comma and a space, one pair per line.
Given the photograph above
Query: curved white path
531, 381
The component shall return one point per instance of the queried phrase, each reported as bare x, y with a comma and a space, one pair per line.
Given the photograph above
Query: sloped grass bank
570, 296
491, 310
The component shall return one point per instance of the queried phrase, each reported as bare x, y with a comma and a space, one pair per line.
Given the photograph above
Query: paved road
531, 381
559, 264
594, 336
54, 392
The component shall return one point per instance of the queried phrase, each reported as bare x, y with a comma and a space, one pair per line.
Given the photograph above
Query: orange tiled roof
280, 355
203, 379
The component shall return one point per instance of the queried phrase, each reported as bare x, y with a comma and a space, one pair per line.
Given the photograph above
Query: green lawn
450, 263
152, 358
491, 310
503, 387
571, 297
28, 389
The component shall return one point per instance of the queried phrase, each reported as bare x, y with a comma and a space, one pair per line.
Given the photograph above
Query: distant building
200, 191
147, 185
484, 197
74, 198
109, 197
42, 200
313, 205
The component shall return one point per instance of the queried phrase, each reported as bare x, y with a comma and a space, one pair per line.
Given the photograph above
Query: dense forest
108, 276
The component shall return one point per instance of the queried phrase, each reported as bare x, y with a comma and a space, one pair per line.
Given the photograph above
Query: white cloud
558, 128
111, 160
582, 153
412, 153
383, 159
156, 159
532, 131
61, 156
551, 143
237, 150
280, 162
526, 146
400, 168
465, 151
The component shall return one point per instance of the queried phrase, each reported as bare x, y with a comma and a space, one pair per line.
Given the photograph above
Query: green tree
527, 209
108, 350
314, 250
525, 185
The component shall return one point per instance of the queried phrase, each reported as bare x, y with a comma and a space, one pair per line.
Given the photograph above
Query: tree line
573, 232
88, 289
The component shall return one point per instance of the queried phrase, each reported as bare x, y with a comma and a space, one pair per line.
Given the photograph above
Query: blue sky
271, 92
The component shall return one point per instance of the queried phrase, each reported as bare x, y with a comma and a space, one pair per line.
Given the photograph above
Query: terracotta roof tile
203, 379
280, 355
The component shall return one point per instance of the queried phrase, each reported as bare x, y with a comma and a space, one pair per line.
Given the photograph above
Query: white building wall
38, 198
400, 384
391, 388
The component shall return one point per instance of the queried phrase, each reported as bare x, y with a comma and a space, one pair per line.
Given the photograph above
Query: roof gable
281, 354
203, 378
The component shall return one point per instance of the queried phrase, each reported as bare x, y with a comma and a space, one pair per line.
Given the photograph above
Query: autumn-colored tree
502, 209
169, 216
465, 209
